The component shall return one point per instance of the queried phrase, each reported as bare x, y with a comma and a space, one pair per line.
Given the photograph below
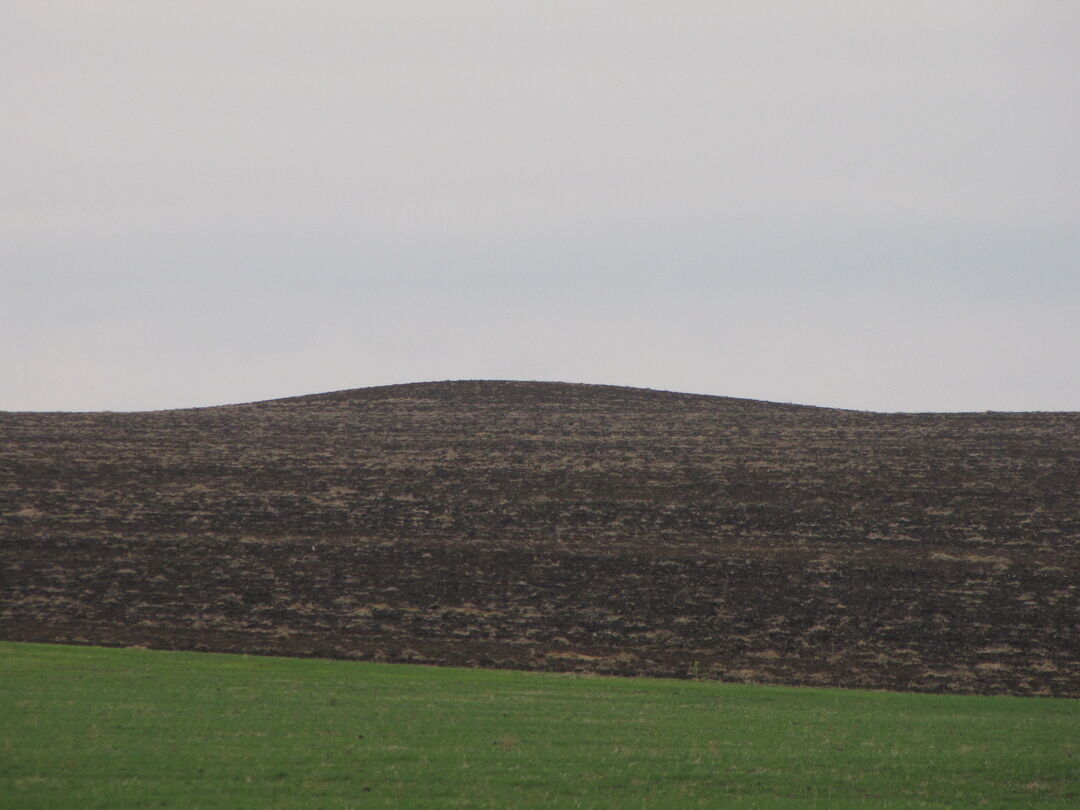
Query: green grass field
92, 727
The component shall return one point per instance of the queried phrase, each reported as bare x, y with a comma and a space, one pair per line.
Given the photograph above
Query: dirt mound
558, 526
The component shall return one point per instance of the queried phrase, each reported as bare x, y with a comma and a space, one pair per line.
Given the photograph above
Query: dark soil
562, 527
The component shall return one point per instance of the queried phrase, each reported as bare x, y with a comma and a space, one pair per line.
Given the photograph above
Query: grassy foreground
92, 727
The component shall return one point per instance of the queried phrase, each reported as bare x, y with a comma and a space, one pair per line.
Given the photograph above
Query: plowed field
562, 527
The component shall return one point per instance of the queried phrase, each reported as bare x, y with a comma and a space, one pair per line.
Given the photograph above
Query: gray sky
863, 204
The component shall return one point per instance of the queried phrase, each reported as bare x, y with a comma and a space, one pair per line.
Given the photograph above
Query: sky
861, 204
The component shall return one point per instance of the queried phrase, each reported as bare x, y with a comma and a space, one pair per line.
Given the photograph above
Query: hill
558, 526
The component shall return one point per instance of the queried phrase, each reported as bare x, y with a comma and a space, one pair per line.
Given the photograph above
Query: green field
93, 727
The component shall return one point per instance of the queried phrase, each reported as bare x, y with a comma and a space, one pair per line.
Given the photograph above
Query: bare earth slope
558, 526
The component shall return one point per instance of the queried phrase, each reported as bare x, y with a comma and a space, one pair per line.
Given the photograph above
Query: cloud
220, 185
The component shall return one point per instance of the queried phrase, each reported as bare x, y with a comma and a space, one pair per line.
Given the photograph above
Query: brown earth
560, 527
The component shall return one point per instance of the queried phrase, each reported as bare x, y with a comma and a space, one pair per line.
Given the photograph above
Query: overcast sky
870, 205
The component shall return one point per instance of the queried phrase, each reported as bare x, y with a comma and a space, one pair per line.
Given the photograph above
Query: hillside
558, 526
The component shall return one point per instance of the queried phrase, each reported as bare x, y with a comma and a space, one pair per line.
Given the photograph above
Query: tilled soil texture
562, 527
